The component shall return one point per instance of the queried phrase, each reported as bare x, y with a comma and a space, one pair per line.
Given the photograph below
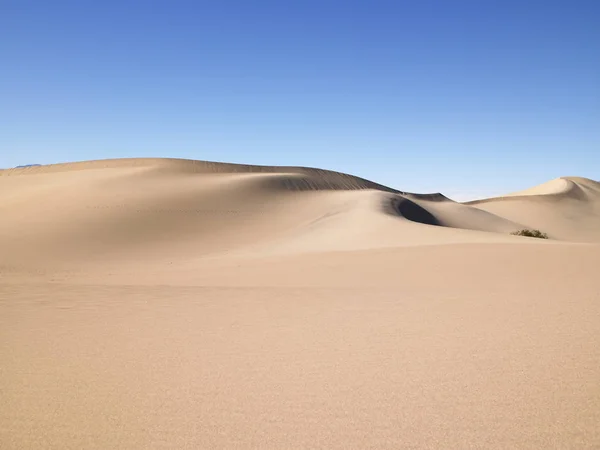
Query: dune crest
574, 187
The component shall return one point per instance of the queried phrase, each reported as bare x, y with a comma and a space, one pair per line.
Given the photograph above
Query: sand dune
164, 303
566, 208
92, 210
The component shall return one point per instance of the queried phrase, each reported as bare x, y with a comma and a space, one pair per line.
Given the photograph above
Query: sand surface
156, 303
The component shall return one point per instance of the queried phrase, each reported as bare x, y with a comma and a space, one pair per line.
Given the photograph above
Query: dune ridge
322, 179
569, 187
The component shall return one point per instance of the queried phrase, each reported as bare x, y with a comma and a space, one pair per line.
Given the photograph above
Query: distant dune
567, 208
166, 303
27, 165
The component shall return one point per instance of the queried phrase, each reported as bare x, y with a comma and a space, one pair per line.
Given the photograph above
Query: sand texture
163, 303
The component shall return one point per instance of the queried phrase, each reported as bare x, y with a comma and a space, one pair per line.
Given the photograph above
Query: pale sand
179, 304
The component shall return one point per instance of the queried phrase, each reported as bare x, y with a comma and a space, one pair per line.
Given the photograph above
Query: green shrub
531, 233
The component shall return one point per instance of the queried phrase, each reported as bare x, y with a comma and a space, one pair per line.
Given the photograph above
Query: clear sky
470, 98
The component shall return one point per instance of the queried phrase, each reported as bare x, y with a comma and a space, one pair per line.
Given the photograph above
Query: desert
166, 303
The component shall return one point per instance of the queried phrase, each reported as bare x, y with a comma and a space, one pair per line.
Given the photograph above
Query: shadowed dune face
412, 211
436, 209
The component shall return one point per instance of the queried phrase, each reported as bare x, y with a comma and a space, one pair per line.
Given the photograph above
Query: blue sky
470, 98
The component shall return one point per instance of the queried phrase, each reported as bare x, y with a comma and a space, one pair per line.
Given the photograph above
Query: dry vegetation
531, 233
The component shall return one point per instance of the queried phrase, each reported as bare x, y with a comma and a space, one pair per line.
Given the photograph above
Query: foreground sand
178, 304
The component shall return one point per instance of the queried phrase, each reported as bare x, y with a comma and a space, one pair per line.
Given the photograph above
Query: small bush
531, 233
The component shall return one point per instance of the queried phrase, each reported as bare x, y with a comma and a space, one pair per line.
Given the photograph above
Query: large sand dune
162, 303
